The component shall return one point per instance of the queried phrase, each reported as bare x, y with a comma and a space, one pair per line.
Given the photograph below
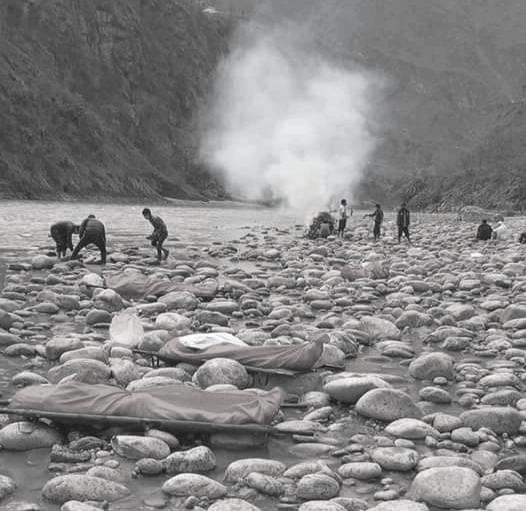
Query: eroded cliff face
100, 98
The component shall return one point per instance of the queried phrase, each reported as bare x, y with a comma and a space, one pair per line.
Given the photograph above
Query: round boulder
82, 487
447, 488
430, 365
387, 405
221, 371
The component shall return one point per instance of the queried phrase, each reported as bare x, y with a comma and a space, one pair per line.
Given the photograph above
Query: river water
25, 227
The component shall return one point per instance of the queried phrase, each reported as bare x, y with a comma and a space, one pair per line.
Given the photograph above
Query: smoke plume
287, 123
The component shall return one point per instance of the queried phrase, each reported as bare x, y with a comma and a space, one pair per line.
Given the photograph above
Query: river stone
378, 328
137, 447
306, 467
321, 505
166, 437
75, 505
57, 346
25, 378
98, 316
5, 320
317, 487
498, 419
400, 505
387, 405
186, 485
267, 485
196, 460
298, 427
447, 488
92, 352
232, 505
86, 370
363, 470
92, 280
7, 339
435, 395
7, 486
42, 262
430, 365
149, 466
411, 429
514, 311
172, 321
449, 461
516, 463
350, 390
81, 487
508, 503
124, 371
180, 300
239, 469
107, 300
398, 459
25, 436
221, 371
504, 479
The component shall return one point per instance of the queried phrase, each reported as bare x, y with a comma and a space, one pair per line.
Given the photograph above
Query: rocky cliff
100, 98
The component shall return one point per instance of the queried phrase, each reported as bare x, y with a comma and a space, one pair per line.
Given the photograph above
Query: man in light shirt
343, 214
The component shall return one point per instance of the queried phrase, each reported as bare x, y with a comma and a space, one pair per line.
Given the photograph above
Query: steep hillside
99, 98
494, 174
450, 66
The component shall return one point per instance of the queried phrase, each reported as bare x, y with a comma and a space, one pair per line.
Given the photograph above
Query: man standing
378, 216
403, 221
484, 231
92, 231
343, 214
159, 234
62, 233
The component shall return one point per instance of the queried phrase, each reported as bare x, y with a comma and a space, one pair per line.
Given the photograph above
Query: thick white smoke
288, 124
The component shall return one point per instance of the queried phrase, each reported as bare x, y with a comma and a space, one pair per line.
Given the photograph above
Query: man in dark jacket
159, 234
522, 238
92, 232
378, 216
403, 221
62, 233
484, 231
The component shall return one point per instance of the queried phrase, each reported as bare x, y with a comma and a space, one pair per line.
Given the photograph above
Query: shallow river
24, 226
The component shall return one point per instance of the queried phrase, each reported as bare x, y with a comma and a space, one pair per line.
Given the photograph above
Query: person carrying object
62, 234
92, 231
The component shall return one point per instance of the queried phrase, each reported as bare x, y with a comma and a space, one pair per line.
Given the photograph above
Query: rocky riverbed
428, 413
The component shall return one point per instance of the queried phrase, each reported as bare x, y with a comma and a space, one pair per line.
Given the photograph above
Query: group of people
485, 232
92, 232
403, 220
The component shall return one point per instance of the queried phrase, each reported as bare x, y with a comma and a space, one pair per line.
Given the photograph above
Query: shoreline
162, 201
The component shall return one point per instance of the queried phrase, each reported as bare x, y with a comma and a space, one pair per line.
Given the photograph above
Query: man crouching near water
92, 231
159, 234
62, 233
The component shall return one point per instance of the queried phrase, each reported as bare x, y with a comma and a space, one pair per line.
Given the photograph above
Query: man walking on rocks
62, 233
92, 231
159, 234
378, 216
403, 221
